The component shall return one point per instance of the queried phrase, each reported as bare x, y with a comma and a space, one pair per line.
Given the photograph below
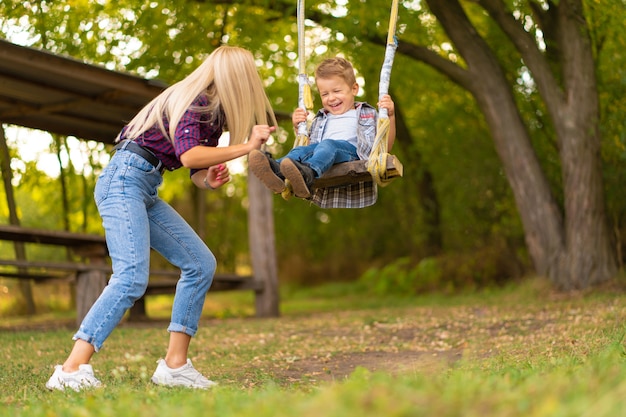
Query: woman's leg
123, 193
172, 237
81, 354
177, 350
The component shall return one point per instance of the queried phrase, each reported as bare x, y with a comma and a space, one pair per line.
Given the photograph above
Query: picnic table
90, 268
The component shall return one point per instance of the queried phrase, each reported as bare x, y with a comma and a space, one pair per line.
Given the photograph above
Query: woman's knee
206, 270
133, 290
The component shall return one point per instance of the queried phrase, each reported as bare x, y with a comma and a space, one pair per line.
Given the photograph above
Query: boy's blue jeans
321, 156
135, 219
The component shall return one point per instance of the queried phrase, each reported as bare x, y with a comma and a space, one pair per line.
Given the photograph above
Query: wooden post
89, 284
262, 247
138, 311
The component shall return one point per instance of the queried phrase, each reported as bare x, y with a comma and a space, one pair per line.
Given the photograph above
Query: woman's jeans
323, 155
135, 219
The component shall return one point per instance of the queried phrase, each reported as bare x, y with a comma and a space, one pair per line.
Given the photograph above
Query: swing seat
356, 171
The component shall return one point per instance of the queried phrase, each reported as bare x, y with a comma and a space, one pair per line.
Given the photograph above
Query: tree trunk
262, 247
571, 247
588, 258
58, 144
20, 252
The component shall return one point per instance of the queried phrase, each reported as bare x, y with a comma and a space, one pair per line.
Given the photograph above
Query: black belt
145, 153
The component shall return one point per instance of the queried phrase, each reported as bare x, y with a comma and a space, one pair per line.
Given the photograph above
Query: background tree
18, 247
570, 244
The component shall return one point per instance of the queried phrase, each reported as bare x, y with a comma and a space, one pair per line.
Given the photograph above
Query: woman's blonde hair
232, 84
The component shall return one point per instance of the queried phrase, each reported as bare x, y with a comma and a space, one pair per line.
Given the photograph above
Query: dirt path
325, 346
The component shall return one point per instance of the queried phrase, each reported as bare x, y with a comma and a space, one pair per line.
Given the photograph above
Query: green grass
337, 351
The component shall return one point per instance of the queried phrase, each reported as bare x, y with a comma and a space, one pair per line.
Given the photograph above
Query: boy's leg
300, 153
267, 169
300, 175
302, 170
330, 152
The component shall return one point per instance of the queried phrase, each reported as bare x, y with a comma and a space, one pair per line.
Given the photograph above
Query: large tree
570, 241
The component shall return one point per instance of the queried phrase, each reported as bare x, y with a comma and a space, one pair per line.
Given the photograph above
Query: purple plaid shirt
194, 129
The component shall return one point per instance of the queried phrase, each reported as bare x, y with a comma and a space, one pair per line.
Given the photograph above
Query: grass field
337, 351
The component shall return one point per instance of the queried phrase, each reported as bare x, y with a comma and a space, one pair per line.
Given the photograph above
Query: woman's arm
200, 157
198, 178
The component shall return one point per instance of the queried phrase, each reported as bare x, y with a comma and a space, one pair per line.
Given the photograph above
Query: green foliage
490, 266
448, 136
395, 278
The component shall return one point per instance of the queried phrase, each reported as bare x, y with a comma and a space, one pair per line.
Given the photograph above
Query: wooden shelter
61, 95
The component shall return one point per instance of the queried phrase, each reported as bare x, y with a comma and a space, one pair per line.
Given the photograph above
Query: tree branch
527, 47
446, 67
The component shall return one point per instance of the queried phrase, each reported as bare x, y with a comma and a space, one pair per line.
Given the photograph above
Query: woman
180, 127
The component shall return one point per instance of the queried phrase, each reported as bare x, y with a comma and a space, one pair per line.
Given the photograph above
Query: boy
342, 131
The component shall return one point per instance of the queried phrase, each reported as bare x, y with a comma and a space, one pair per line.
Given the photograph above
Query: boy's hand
298, 116
385, 102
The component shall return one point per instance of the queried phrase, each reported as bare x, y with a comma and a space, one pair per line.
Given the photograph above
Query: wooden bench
92, 271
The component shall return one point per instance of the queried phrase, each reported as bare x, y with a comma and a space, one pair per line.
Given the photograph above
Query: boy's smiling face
336, 94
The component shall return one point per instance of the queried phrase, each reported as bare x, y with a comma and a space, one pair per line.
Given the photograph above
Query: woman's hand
217, 176
259, 135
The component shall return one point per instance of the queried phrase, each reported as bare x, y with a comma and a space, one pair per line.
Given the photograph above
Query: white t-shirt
341, 127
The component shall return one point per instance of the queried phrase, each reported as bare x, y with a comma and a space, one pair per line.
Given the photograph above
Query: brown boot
267, 170
300, 175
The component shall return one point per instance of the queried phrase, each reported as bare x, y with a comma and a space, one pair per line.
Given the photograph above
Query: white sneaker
185, 376
78, 380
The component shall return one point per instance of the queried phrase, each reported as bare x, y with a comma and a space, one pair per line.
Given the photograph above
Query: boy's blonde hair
232, 84
336, 67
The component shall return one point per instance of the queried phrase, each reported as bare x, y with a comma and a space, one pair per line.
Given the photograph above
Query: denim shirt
357, 195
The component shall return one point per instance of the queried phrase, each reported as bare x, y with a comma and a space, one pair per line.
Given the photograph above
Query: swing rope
377, 162
305, 97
